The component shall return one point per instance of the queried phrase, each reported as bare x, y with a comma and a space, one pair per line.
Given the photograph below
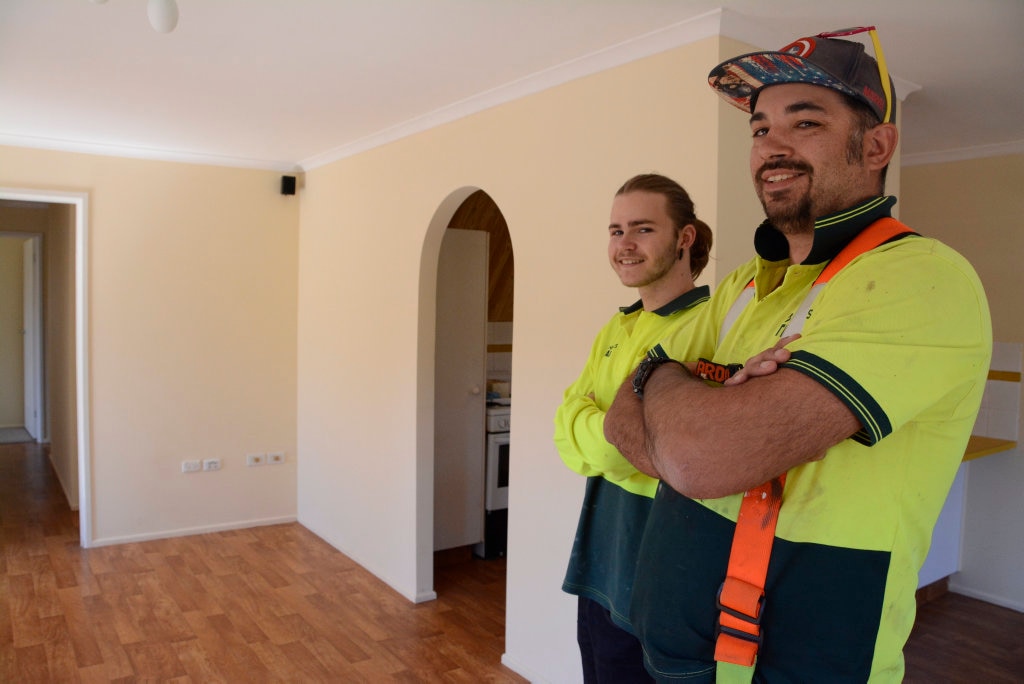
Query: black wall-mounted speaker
287, 185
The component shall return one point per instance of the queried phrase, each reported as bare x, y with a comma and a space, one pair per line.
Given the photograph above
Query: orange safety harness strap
878, 233
741, 597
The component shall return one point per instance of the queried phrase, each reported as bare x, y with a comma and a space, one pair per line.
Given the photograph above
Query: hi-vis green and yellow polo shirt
902, 336
617, 497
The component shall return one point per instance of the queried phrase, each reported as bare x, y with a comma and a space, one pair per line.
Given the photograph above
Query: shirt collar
683, 301
831, 232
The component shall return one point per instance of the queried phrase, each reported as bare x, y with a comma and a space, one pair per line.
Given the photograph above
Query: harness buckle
745, 593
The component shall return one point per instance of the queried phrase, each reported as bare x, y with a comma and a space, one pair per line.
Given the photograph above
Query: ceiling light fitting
163, 14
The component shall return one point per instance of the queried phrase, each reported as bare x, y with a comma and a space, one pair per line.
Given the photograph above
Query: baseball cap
823, 60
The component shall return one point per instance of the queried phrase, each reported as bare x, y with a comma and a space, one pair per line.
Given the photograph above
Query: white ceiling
292, 84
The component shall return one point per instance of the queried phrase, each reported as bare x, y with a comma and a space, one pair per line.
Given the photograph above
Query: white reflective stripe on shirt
796, 324
737, 307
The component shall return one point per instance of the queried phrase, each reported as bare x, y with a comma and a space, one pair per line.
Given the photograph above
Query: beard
798, 215
795, 215
657, 266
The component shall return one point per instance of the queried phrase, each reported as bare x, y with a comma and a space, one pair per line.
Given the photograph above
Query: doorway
467, 209
22, 405
66, 349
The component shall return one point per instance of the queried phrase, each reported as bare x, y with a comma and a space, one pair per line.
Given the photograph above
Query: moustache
797, 166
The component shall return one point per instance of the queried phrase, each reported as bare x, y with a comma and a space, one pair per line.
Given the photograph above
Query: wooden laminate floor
964, 640
268, 604
277, 603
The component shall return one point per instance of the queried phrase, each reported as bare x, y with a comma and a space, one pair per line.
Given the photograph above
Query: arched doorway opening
467, 209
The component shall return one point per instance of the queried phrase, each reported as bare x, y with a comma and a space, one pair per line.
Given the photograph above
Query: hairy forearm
624, 428
708, 442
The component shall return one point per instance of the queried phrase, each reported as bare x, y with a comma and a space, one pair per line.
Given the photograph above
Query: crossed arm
708, 442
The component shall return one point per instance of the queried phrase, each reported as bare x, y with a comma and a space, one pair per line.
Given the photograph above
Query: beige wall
191, 312
371, 228
12, 399
734, 198
977, 207
193, 278
60, 364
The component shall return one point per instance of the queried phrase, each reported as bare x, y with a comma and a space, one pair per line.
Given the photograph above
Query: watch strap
644, 371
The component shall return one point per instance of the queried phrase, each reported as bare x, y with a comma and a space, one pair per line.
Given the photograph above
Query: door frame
80, 203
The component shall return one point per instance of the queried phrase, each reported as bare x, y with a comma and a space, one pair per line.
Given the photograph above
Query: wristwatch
644, 370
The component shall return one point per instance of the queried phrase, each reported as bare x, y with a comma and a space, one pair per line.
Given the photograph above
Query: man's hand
765, 363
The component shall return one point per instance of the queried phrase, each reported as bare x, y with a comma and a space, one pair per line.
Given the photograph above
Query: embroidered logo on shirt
610, 349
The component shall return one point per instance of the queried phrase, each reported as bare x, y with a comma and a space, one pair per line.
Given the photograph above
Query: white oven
496, 488
496, 463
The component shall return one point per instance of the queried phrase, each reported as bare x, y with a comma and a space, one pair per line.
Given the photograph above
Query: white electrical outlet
191, 466
255, 459
211, 464
275, 457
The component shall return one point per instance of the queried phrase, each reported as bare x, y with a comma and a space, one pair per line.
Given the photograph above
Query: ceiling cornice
646, 45
963, 154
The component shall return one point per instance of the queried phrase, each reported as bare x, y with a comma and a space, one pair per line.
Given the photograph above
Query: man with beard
798, 497
657, 245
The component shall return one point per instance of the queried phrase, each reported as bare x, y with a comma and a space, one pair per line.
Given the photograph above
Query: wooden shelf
978, 446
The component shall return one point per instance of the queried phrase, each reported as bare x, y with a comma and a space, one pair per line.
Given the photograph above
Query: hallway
14, 435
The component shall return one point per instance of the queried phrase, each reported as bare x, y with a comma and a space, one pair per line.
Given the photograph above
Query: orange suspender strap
878, 233
741, 598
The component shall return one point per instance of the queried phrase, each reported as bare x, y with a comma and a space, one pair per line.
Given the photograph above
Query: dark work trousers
611, 655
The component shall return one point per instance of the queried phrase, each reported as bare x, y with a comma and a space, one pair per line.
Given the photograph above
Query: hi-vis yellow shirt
617, 350
617, 500
902, 336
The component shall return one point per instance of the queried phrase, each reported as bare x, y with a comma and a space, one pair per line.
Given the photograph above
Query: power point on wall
275, 457
191, 466
211, 464
255, 459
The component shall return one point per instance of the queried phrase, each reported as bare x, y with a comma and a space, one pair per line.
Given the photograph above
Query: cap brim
739, 80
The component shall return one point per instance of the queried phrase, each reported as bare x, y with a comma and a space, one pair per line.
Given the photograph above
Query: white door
460, 392
32, 331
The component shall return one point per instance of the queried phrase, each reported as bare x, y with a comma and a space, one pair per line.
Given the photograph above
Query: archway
467, 208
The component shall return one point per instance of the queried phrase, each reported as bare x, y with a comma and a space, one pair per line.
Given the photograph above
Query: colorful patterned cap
842, 65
